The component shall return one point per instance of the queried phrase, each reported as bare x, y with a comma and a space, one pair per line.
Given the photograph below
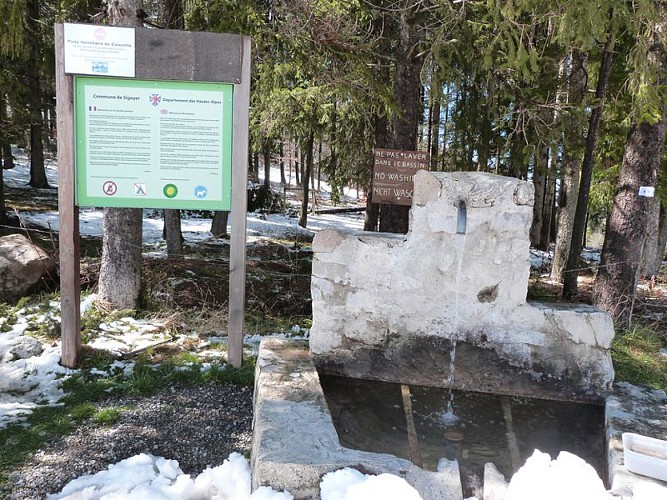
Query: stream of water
448, 416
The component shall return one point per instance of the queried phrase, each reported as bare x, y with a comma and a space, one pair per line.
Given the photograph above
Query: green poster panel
153, 144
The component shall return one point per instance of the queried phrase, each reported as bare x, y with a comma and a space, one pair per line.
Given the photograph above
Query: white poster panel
153, 144
91, 49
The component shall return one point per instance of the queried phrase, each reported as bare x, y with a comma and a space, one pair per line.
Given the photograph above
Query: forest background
568, 95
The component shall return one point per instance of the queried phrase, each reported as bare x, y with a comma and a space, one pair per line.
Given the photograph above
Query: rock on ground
22, 265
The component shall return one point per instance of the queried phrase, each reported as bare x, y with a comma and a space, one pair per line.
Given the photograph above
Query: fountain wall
400, 307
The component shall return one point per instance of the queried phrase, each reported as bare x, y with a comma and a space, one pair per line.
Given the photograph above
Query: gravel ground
198, 426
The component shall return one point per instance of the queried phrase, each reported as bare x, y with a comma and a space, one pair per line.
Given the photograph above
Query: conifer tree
120, 271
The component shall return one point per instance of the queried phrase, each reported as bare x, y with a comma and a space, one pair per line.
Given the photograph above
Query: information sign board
153, 144
91, 49
393, 175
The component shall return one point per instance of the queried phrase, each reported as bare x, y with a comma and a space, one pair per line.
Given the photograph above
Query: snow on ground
541, 260
198, 229
145, 477
30, 373
27, 381
567, 477
30, 376
195, 229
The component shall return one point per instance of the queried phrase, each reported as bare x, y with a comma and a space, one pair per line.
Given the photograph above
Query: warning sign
393, 175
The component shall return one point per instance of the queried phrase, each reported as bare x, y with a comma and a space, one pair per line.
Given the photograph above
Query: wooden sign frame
160, 55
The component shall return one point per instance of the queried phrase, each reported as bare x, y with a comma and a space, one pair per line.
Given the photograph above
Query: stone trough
443, 306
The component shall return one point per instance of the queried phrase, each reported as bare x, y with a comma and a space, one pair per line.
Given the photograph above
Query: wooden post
413, 441
512, 442
237, 267
69, 249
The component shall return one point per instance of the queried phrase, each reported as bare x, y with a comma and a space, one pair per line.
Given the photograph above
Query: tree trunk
219, 223
283, 181
267, 168
297, 167
548, 215
626, 226
405, 123
308, 163
662, 239
37, 172
548, 233
371, 215
172, 232
650, 263
255, 167
435, 129
302, 171
445, 129
120, 271
6, 158
170, 15
313, 192
486, 130
49, 123
572, 149
3, 208
571, 272
615, 284
518, 159
319, 168
539, 182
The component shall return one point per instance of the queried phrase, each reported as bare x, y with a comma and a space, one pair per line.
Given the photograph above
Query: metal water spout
462, 218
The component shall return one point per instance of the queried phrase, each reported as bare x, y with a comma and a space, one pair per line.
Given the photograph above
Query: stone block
437, 282
429, 188
328, 240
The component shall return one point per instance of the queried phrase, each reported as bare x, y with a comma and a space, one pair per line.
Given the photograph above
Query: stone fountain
393, 307
443, 306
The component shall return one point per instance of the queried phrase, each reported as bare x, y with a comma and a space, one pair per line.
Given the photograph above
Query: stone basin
295, 441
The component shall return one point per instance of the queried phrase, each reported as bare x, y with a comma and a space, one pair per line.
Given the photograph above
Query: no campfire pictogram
110, 188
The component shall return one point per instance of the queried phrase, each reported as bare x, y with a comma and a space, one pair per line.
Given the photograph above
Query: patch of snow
129, 334
26, 384
87, 303
591, 255
540, 260
146, 476
350, 484
568, 477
